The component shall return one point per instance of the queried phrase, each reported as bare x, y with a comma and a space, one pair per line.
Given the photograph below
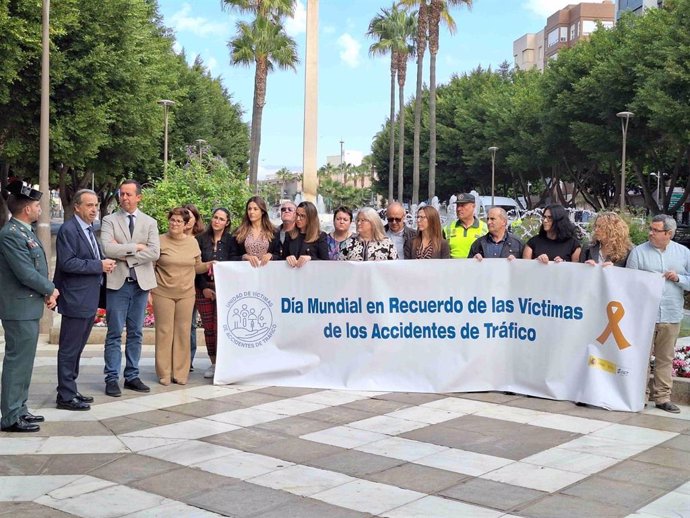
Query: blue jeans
124, 306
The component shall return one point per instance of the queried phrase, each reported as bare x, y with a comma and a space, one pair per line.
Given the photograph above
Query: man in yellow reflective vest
466, 229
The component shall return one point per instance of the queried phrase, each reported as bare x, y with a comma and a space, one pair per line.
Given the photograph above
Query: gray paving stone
486, 426
30, 510
338, 415
355, 463
78, 463
417, 478
488, 397
121, 425
297, 450
656, 422
295, 426
19, 465
668, 457
613, 492
245, 439
161, 417
681, 442
182, 482
543, 405
249, 398
309, 508
72, 429
376, 406
133, 467
287, 392
589, 412
446, 436
411, 398
241, 499
492, 494
564, 506
648, 474
204, 408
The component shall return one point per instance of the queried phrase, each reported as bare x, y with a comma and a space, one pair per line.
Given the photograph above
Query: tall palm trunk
421, 48
402, 71
260, 76
391, 147
434, 22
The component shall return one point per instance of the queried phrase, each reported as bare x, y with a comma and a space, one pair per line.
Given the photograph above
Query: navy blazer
78, 272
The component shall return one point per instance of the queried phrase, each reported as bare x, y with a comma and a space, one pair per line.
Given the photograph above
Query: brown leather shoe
668, 407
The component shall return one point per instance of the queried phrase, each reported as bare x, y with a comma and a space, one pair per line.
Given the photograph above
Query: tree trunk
432, 124
260, 76
402, 67
391, 147
421, 49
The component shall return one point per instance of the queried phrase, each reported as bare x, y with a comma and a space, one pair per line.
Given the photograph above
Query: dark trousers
21, 338
74, 332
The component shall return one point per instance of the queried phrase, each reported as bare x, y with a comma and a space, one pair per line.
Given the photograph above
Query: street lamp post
493, 150
200, 142
165, 103
625, 119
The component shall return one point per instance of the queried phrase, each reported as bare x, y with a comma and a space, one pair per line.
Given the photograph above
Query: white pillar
311, 94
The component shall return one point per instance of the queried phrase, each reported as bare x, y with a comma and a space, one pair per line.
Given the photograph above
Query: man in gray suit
131, 238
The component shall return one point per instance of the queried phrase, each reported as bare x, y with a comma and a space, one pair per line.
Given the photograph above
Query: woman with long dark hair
216, 244
306, 241
557, 239
429, 242
255, 236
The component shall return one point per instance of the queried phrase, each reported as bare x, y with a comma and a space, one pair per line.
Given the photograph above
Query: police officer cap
465, 198
24, 192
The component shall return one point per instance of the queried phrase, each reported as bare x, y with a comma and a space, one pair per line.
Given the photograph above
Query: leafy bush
207, 185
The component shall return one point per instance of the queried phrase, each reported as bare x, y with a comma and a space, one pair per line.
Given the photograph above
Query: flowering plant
681, 361
100, 318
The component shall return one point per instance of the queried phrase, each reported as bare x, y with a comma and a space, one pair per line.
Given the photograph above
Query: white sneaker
210, 372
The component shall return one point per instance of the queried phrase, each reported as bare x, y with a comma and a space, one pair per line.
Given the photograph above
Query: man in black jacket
498, 242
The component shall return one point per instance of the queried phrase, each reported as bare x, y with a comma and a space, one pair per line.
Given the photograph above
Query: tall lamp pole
493, 150
165, 103
625, 119
200, 142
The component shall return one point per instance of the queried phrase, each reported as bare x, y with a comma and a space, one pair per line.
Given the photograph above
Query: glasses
360, 221
300, 215
421, 216
176, 222
394, 220
287, 209
657, 230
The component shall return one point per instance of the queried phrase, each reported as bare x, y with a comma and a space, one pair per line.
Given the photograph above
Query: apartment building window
589, 26
552, 38
573, 31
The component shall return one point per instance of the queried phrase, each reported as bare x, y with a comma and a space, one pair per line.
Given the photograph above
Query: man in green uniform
466, 230
25, 291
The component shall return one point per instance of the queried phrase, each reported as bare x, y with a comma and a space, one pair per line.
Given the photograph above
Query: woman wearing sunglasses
306, 241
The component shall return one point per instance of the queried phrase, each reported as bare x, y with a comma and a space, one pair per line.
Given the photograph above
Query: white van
483, 205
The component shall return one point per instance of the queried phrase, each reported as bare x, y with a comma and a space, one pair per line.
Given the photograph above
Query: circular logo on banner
249, 319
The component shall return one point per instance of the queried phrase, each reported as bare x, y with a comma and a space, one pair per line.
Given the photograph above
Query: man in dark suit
24, 286
79, 274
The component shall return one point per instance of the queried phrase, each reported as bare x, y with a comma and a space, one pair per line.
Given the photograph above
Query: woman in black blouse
216, 244
557, 239
306, 241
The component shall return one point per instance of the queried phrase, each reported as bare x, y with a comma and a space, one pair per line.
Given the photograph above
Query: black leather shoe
21, 426
30, 418
136, 385
112, 389
668, 407
73, 404
84, 399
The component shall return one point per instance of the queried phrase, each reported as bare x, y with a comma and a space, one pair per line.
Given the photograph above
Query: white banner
560, 331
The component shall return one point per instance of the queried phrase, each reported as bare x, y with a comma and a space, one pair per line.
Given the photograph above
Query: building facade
563, 29
636, 6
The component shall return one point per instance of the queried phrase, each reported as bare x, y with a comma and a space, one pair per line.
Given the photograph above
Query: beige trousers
173, 321
663, 349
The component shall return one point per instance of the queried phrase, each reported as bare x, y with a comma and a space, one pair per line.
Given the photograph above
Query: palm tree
422, 36
285, 176
394, 29
265, 43
438, 10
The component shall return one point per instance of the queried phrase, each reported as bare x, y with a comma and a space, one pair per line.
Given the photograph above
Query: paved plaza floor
250, 451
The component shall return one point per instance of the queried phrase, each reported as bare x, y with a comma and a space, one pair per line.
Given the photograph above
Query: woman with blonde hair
611, 242
429, 242
255, 237
370, 243
306, 241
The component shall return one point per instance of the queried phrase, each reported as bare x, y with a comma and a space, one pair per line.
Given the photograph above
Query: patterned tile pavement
249, 451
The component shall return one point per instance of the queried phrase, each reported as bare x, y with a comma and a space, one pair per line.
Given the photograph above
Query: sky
354, 88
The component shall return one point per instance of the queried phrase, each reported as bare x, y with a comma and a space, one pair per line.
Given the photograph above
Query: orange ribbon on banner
614, 312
